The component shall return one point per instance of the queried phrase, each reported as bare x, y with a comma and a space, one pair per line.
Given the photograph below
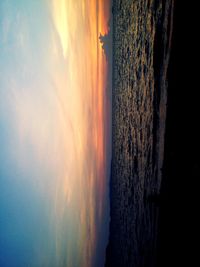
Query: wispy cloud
53, 83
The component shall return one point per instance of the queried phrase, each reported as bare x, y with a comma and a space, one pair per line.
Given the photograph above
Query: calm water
141, 46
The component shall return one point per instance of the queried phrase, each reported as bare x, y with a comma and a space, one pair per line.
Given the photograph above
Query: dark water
141, 49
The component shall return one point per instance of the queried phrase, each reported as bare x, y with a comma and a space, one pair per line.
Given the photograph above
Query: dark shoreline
178, 222
141, 48
178, 199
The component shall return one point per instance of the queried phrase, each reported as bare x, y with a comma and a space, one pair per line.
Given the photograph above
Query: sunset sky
54, 115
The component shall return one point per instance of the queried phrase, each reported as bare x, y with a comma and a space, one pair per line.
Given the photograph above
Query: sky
54, 137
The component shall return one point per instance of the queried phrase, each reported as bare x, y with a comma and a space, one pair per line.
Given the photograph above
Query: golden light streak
79, 79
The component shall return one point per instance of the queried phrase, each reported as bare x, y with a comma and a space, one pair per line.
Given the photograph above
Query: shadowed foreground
141, 48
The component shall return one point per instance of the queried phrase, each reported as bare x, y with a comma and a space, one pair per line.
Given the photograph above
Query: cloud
53, 86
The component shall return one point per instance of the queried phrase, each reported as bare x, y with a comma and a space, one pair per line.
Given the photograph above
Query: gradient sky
54, 208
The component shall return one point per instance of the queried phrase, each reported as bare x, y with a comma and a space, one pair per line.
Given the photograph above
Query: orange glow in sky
54, 116
79, 78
